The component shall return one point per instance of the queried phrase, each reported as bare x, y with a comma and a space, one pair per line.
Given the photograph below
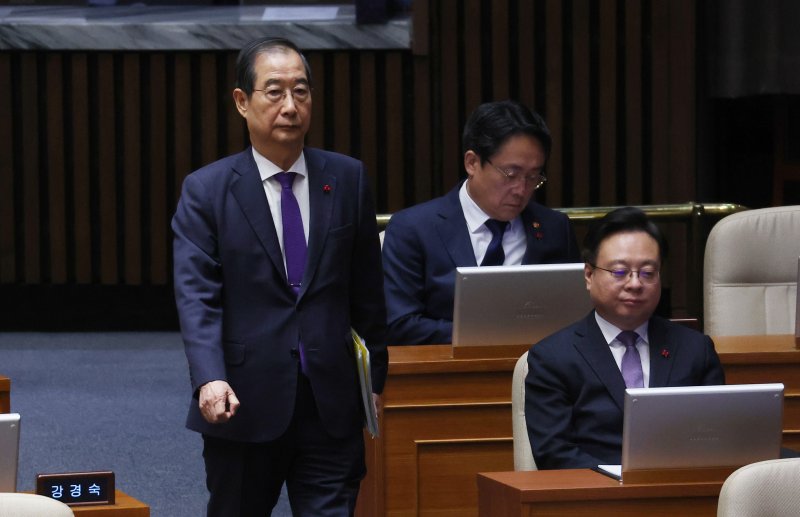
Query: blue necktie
495, 256
294, 241
631, 362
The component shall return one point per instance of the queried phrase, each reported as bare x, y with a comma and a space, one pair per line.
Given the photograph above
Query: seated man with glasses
577, 377
489, 219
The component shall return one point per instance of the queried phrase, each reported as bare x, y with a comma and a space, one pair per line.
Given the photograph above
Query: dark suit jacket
574, 390
239, 318
424, 244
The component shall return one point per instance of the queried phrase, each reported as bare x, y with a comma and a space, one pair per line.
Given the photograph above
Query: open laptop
514, 305
9, 451
701, 427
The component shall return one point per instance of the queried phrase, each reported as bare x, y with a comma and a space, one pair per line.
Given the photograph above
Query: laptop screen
515, 305
701, 426
9, 451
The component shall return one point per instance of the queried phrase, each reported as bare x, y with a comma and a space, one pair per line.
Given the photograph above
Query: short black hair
492, 123
625, 219
245, 62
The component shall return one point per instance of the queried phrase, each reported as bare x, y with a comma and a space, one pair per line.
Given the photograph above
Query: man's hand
218, 402
377, 403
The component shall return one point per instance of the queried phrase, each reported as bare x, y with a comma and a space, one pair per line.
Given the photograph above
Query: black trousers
322, 473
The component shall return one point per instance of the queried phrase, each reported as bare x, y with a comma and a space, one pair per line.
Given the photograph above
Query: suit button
294, 353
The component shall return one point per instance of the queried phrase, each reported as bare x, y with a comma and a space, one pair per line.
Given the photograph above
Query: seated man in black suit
489, 219
577, 377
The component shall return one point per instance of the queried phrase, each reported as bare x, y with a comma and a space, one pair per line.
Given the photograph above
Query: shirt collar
611, 331
267, 169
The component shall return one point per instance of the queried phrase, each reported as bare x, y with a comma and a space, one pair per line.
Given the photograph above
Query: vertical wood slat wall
94, 145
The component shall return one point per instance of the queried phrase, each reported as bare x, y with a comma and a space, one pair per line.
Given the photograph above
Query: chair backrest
763, 488
523, 455
32, 505
750, 273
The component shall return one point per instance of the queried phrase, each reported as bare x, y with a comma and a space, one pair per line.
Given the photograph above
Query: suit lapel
591, 344
662, 349
248, 191
452, 229
322, 192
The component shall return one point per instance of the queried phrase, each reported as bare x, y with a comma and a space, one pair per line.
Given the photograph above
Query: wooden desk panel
445, 419
585, 493
5, 394
124, 506
759, 359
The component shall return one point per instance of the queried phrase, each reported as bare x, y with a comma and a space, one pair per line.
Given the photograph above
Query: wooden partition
94, 144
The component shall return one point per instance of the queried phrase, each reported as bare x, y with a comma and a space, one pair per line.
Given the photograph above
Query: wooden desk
445, 419
586, 493
5, 394
125, 506
758, 359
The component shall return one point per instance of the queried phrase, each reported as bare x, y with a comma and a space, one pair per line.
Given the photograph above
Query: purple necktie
631, 362
495, 256
294, 241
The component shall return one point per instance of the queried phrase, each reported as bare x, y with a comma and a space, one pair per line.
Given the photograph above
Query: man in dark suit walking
489, 219
577, 377
276, 257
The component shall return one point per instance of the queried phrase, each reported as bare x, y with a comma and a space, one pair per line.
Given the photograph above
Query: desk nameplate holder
78, 488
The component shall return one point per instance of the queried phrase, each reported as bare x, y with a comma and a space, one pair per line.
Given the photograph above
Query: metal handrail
699, 218
667, 212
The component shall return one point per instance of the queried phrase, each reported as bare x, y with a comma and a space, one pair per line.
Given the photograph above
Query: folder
365, 381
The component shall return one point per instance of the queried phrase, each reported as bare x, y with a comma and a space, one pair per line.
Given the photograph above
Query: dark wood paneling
8, 266
96, 144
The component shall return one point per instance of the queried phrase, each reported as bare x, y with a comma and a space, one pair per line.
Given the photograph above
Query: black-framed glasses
276, 94
647, 275
536, 180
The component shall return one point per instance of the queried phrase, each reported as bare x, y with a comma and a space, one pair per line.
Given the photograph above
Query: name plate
77, 488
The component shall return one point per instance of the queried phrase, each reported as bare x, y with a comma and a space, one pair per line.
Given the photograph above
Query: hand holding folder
365, 380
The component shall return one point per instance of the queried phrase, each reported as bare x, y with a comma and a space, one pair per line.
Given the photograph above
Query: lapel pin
538, 230
665, 353
326, 188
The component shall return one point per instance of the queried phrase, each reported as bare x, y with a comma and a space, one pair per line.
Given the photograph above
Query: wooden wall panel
54, 202
96, 144
78, 149
8, 266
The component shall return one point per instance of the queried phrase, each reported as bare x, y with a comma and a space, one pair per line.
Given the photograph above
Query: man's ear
241, 101
472, 162
588, 271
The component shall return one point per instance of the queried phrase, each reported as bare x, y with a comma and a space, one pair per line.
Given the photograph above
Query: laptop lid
695, 427
515, 305
9, 451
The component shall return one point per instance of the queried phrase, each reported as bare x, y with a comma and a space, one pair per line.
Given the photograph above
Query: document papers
614, 471
365, 380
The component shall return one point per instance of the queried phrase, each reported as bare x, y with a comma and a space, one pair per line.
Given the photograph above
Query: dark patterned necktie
494, 253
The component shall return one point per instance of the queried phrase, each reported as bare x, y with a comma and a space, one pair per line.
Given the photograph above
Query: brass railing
699, 218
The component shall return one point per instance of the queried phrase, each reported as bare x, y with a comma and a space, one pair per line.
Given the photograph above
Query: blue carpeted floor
109, 401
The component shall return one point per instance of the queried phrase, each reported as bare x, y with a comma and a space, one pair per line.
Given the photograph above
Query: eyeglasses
624, 274
537, 180
276, 94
